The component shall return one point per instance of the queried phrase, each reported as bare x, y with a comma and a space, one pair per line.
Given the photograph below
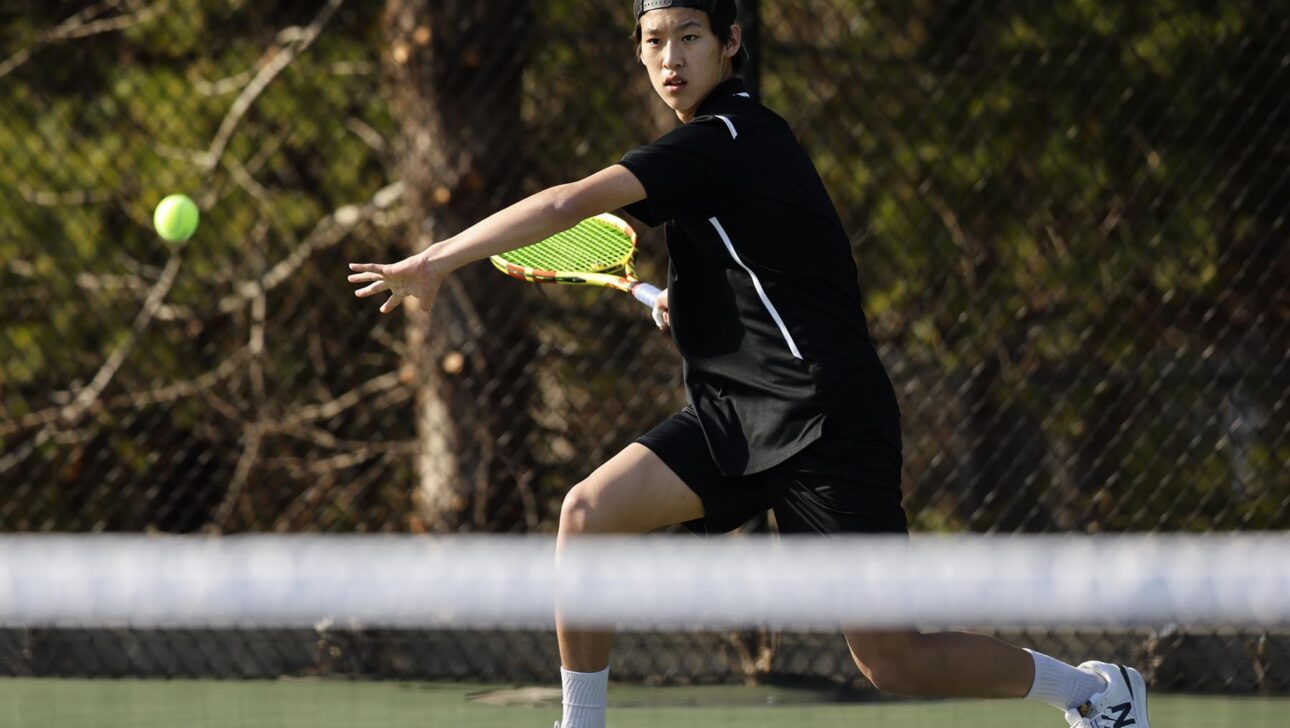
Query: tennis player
790, 408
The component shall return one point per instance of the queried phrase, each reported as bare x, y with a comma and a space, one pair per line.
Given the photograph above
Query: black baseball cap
722, 12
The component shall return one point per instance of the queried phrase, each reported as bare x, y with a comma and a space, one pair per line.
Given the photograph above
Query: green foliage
1069, 223
97, 130
1040, 193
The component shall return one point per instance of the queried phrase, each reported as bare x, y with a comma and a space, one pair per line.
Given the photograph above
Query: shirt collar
724, 90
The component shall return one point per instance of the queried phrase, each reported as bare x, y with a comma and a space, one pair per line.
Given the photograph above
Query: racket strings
591, 246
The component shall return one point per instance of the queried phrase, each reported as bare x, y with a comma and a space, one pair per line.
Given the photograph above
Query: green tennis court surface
46, 703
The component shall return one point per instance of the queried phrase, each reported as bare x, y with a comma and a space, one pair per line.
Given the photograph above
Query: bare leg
634, 492
942, 664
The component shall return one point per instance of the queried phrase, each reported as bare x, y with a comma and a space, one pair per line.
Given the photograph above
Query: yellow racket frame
607, 277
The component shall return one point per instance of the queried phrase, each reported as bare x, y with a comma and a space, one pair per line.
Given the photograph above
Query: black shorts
837, 484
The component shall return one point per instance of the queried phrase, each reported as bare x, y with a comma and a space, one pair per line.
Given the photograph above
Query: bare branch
327, 410
244, 180
266, 152
340, 461
17, 60
241, 475
87, 396
325, 439
222, 86
259, 310
365, 132
107, 25
354, 68
20, 454
46, 198
23, 268
327, 232
134, 400
83, 24
278, 59
106, 282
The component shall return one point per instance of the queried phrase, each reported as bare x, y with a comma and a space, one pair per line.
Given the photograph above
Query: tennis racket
599, 251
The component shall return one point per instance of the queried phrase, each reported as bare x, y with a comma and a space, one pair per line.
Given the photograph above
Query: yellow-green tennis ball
175, 218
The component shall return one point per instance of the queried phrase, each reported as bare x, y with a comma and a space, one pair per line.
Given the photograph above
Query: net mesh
591, 246
730, 632
804, 582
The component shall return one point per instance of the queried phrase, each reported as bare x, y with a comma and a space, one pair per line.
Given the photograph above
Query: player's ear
735, 41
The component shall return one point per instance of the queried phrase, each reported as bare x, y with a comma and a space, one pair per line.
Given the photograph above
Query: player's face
684, 57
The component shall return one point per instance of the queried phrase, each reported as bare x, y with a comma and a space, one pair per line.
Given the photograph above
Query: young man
790, 408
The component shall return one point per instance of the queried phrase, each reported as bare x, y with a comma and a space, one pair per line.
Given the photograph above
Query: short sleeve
680, 172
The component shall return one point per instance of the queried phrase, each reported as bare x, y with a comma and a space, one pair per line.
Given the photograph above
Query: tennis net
737, 631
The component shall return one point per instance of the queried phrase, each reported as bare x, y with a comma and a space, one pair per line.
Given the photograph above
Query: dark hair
723, 34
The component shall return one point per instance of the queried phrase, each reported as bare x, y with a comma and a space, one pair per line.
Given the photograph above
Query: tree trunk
454, 68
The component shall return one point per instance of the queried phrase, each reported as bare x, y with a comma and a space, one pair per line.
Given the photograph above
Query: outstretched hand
412, 276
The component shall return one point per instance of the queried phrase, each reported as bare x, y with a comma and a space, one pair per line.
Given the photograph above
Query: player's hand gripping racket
599, 251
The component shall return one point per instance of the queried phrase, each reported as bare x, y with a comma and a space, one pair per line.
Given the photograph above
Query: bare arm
540, 216
531, 219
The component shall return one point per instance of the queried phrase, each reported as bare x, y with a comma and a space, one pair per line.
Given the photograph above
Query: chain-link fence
1175, 661
1069, 221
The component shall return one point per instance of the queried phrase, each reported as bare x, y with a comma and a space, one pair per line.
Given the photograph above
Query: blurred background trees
1069, 221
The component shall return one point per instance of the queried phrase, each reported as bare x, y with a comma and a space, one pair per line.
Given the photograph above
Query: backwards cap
722, 12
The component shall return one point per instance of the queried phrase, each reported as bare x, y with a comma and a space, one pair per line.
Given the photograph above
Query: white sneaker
1122, 704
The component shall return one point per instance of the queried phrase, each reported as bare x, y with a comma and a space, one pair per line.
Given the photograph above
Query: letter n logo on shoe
1122, 719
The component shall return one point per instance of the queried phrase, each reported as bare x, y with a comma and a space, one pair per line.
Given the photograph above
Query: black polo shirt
762, 292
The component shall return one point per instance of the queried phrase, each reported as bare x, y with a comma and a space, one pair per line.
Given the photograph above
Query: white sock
1060, 685
585, 695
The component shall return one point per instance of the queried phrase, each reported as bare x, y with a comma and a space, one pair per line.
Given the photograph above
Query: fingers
391, 303
374, 275
373, 289
368, 273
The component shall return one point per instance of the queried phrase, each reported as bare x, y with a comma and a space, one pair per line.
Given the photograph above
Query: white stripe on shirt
733, 134
788, 338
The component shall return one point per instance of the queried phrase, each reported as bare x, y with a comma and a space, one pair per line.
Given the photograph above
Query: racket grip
646, 293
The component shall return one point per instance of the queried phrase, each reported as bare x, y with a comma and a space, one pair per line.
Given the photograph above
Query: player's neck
687, 116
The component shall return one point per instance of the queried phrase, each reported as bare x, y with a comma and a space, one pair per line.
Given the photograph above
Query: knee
578, 513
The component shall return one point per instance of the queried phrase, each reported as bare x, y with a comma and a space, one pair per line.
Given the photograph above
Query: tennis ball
175, 218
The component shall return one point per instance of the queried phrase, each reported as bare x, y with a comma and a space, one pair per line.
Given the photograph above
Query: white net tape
649, 582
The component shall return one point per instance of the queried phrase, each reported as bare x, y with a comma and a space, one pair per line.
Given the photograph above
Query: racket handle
646, 293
